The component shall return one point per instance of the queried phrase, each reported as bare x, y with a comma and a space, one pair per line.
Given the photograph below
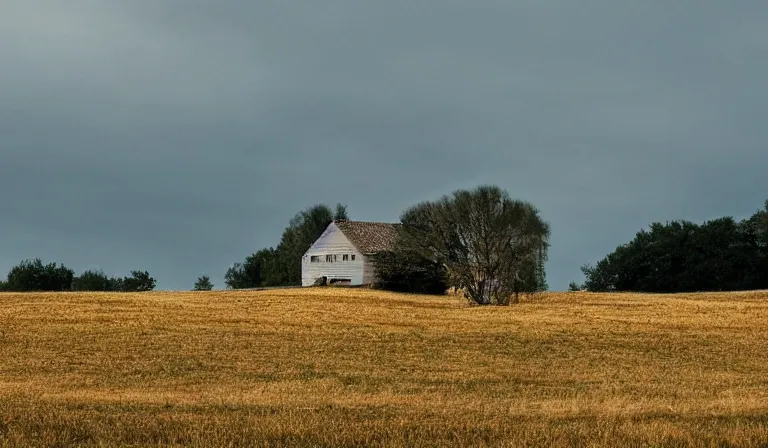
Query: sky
179, 136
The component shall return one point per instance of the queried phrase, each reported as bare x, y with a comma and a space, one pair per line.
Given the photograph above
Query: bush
403, 271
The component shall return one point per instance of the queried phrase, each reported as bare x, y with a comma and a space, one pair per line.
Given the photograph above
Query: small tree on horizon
341, 212
139, 281
203, 283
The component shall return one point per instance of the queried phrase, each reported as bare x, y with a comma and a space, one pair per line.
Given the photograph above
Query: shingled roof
369, 237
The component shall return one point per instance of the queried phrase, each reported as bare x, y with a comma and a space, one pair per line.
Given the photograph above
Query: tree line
722, 254
273, 266
483, 242
34, 275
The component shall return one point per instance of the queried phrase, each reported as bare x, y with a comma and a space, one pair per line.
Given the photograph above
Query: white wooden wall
332, 242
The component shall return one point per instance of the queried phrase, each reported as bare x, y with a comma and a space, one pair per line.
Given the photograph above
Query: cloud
180, 136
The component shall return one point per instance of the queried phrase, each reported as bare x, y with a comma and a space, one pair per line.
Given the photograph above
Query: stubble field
351, 367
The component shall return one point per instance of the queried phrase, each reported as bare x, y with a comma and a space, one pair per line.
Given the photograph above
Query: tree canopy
203, 283
34, 275
680, 256
491, 245
95, 281
139, 281
281, 265
247, 274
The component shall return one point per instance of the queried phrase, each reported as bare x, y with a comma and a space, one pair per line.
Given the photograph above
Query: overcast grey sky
180, 136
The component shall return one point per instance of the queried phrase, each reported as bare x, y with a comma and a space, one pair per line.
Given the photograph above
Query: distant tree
485, 240
203, 283
281, 265
302, 231
3, 286
574, 287
139, 281
341, 212
244, 275
33, 275
93, 281
117, 284
758, 224
680, 256
271, 267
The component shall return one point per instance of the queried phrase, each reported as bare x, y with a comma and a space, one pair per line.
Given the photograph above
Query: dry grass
335, 367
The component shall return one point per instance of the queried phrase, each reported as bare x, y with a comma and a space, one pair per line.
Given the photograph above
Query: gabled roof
369, 237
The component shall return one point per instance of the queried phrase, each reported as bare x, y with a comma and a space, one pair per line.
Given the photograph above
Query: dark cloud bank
179, 136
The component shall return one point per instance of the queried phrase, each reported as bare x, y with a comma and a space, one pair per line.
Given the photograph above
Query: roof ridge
365, 222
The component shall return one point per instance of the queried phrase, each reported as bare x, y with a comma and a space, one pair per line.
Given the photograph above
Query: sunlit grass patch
355, 367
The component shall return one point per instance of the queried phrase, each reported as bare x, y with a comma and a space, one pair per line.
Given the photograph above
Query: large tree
489, 243
302, 231
281, 265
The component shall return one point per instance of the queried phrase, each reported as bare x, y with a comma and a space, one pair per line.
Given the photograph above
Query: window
345, 257
314, 259
339, 281
329, 258
353, 257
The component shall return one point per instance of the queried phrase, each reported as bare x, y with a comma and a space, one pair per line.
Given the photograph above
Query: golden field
355, 367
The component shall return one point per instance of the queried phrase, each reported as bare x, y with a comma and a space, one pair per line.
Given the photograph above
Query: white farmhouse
343, 252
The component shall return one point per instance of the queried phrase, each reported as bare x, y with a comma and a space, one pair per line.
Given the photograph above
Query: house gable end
341, 252
332, 237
